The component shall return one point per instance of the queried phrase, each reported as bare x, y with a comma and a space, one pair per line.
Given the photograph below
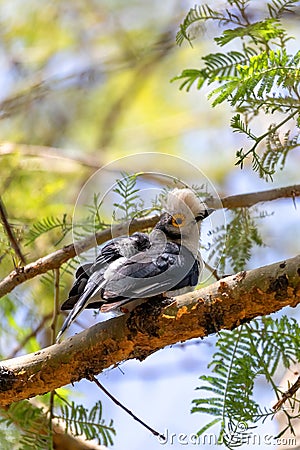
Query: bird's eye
178, 220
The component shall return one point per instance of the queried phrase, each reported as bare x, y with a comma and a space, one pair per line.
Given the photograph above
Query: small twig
116, 401
10, 233
263, 136
288, 394
212, 271
56, 306
33, 333
53, 335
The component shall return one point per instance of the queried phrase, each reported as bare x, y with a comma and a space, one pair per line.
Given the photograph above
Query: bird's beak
203, 214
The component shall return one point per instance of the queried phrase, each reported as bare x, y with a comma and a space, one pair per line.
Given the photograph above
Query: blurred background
86, 84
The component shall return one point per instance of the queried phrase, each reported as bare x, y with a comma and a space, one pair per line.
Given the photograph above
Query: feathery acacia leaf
48, 224
279, 7
81, 421
252, 350
32, 425
196, 14
232, 244
260, 77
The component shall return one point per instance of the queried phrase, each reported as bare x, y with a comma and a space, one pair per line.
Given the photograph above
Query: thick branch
225, 304
56, 259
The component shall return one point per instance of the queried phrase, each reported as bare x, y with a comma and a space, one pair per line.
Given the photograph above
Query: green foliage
94, 209
252, 351
278, 7
196, 14
130, 205
29, 426
232, 243
258, 32
5, 248
236, 16
260, 79
64, 226
80, 421
263, 73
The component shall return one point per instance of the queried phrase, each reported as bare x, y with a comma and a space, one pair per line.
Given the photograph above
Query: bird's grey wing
191, 279
87, 288
124, 246
109, 253
147, 276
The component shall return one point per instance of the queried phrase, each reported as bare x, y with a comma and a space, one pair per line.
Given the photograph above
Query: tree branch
247, 200
10, 233
56, 259
288, 394
224, 304
41, 151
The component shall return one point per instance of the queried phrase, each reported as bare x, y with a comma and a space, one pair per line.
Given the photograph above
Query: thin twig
212, 271
56, 305
116, 401
52, 153
53, 335
32, 334
288, 394
10, 233
263, 136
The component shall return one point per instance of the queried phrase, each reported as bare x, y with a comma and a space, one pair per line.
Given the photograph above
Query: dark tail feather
80, 306
71, 317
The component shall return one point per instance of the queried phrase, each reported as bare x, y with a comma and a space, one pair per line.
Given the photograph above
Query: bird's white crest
178, 198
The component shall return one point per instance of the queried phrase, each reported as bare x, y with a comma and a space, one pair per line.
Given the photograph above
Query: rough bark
56, 259
224, 304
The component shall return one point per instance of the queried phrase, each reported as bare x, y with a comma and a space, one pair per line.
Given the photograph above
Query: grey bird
166, 261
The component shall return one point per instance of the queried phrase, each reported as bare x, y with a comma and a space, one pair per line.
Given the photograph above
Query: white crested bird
166, 261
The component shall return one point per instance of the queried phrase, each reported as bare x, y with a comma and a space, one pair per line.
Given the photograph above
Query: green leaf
265, 29
207, 426
191, 76
49, 224
80, 421
196, 14
279, 7
251, 351
31, 423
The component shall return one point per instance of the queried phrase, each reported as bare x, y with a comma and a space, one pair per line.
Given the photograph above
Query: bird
132, 269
